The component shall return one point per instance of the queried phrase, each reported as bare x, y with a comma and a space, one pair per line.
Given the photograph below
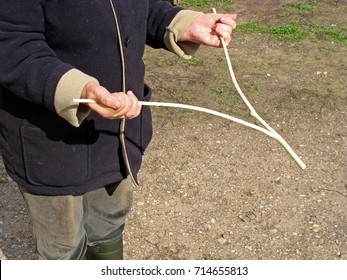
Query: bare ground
213, 189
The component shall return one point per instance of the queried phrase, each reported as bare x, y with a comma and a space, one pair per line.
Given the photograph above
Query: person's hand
112, 105
208, 29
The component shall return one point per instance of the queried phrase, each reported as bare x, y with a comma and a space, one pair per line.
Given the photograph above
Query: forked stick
268, 131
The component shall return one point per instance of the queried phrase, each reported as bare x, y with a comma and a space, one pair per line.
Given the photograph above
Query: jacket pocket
55, 156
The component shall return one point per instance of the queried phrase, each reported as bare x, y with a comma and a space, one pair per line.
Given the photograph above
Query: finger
227, 40
104, 104
130, 108
229, 19
135, 109
111, 106
223, 30
125, 105
103, 98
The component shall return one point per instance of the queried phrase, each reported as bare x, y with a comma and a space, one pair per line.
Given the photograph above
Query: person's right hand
208, 29
115, 105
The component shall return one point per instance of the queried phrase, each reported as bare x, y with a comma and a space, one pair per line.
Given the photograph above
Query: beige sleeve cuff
175, 31
69, 87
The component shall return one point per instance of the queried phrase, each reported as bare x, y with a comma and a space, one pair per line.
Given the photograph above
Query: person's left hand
208, 29
116, 105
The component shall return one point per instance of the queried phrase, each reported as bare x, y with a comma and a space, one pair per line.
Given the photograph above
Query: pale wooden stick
78, 100
253, 112
194, 108
274, 135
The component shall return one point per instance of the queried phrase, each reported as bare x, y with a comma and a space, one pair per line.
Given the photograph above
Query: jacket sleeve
176, 30
30, 69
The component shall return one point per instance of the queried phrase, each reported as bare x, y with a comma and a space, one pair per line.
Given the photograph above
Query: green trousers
88, 226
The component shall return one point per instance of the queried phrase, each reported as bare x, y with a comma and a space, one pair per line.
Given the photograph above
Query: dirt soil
213, 189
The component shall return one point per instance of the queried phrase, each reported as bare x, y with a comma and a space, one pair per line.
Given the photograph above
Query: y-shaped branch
268, 131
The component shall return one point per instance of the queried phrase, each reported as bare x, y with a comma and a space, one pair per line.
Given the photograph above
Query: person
76, 163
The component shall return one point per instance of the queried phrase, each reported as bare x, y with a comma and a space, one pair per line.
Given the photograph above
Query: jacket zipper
122, 123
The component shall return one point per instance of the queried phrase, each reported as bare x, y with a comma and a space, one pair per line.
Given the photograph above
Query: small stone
2, 255
208, 227
249, 247
222, 241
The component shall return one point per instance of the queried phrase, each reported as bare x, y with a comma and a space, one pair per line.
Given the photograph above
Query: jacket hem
90, 185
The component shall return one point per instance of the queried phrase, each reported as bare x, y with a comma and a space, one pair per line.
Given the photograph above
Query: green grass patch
222, 6
335, 32
289, 32
332, 31
294, 31
250, 27
206, 3
301, 6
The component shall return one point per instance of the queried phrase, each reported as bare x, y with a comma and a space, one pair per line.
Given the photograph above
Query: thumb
104, 98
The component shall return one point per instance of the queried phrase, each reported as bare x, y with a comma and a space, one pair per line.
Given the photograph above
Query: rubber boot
106, 251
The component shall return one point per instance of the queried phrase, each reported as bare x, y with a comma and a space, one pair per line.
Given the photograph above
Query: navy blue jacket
40, 40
